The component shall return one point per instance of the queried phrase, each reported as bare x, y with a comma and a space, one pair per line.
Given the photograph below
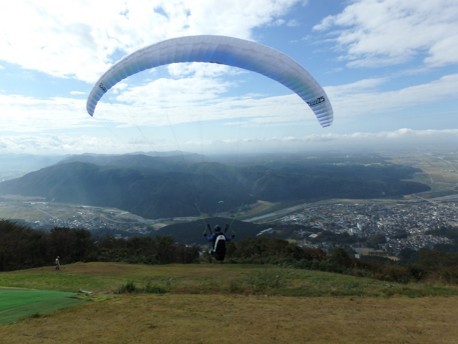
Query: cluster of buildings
99, 220
400, 224
377, 227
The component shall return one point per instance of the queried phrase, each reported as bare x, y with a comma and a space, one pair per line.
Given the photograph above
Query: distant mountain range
16, 165
189, 184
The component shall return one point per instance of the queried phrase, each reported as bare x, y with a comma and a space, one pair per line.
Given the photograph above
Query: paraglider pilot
218, 238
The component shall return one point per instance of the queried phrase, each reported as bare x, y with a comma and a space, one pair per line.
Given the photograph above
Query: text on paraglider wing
102, 86
316, 101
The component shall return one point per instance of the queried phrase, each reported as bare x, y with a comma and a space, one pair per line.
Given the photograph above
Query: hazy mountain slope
169, 186
155, 161
189, 231
143, 192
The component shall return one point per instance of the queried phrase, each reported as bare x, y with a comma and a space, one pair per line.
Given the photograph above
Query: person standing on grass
218, 240
57, 263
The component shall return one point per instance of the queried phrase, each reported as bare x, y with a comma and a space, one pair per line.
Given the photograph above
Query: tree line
22, 247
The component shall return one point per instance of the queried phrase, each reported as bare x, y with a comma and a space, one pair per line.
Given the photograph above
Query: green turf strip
17, 304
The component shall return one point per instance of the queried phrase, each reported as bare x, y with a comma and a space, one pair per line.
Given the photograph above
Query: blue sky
390, 69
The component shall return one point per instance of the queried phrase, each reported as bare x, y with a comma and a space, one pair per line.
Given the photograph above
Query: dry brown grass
244, 319
200, 309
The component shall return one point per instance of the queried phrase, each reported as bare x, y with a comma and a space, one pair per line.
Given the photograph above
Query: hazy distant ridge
155, 186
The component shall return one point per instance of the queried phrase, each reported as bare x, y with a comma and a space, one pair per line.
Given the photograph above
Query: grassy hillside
224, 303
102, 278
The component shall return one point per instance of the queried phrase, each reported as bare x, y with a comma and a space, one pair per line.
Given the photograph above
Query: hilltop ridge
171, 186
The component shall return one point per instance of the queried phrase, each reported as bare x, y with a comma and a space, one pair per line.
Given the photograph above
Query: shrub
129, 287
155, 289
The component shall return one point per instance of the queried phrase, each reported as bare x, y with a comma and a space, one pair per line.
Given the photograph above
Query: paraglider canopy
221, 50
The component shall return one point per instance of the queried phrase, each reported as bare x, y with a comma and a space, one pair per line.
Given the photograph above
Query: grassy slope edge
233, 303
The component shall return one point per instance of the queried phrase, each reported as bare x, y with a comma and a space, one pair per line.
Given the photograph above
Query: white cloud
375, 33
80, 39
167, 101
424, 140
365, 98
196, 99
444, 51
402, 133
27, 114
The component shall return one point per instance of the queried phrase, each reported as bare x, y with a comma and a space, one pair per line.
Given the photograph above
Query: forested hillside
157, 187
21, 247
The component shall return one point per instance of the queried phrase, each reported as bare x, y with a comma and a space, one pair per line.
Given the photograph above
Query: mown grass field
224, 303
17, 304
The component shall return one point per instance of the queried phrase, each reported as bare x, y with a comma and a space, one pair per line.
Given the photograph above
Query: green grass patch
16, 304
187, 303
113, 278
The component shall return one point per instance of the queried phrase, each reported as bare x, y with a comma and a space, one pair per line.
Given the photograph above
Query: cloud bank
410, 49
